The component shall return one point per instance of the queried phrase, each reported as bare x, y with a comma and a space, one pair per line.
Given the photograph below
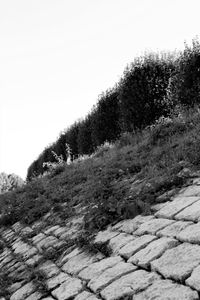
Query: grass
115, 184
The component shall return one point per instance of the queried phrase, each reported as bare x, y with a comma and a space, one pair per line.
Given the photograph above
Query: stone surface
154, 250
190, 234
194, 280
35, 296
130, 225
193, 190
97, 268
174, 207
119, 241
167, 290
174, 229
57, 280
109, 275
69, 254
191, 213
24, 249
46, 243
38, 237
86, 296
77, 263
68, 289
34, 260
129, 285
152, 226
49, 269
179, 262
105, 236
137, 244
23, 292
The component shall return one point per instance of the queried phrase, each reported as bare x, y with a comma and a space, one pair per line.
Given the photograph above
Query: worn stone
130, 225
46, 243
68, 255
154, 250
51, 229
137, 244
68, 289
99, 267
152, 226
190, 234
25, 291
166, 290
34, 260
15, 286
193, 190
194, 280
179, 262
37, 238
104, 236
85, 295
109, 275
57, 280
49, 269
174, 207
129, 285
24, 249
158, 206
35, 296
191, 213
174, 229
119, 241
77, 263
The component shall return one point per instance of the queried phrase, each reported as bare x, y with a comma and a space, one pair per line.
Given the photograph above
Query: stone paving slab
190, 234
25, 291
152, 226
109, 275
77, 263
130, 225
154, 250
49, 269
129, 285
119, 241
193, 190
24, 249
194, 280
174, 229
98, 268
68, 255
166, 290
105, 236
68, 289
191, 213
174, 207
86, 296
136, 245
179, 262
57, 280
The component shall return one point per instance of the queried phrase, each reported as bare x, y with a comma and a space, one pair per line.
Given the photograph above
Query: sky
57, 56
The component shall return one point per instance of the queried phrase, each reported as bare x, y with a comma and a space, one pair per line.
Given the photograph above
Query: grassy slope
117, 182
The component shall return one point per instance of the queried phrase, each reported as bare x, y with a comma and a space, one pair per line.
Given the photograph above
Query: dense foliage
151, 87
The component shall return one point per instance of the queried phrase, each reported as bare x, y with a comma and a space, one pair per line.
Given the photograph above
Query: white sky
57, 56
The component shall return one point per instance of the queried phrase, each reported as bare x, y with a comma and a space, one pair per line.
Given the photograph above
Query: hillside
55, 243
120, 220
155, 255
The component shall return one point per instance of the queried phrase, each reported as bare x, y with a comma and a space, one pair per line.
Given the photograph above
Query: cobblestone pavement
152, 257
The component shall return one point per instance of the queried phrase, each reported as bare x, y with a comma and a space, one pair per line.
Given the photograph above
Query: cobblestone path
153, 257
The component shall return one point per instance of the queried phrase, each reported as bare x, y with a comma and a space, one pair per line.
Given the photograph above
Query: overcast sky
57, 56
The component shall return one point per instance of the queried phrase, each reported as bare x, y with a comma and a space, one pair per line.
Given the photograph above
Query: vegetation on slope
118, 181
148, 125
